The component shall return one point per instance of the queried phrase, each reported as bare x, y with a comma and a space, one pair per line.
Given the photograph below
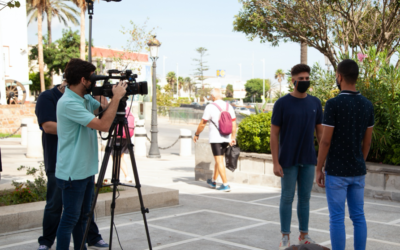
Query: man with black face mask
77, 151
294, 119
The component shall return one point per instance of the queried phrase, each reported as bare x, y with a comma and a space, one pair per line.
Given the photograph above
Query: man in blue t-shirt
45, 110
346, 140
77, 151
294, 119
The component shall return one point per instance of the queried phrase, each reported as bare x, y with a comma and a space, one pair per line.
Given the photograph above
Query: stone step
30, 215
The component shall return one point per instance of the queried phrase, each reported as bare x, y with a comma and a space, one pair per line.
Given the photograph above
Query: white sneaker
285, 243
307, 240
128, 179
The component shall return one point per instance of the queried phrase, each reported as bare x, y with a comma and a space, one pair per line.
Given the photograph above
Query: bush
254, 133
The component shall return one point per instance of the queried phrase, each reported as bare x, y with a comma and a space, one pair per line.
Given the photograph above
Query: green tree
254, 87
40, 6
54, 8
35, 78
190, 85
280, 75
201, 65
12, 4
332, 27
229, 90
171, 80
58, 54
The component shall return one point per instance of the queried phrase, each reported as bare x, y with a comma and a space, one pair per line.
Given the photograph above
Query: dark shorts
124, 147
219, 148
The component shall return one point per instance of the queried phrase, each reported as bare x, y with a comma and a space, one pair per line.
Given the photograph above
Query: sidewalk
246, 218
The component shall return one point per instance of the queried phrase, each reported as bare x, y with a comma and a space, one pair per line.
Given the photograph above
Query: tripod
114, 143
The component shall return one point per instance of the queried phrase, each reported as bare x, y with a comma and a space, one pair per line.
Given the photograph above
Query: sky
184, 25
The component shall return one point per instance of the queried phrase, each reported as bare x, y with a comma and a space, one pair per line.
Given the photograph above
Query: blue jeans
304, 176
337, 190
77, 198
52, 215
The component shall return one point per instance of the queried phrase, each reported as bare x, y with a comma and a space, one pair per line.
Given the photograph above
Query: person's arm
323, 151
103, 102
319, 130
233, 135
107, 119
200, 129
275, 150
50, 127
366, 143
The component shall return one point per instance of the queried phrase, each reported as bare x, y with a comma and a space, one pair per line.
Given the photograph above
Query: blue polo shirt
77, 153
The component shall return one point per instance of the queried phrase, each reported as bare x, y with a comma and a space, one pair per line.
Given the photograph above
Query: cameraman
77, 152
46, 106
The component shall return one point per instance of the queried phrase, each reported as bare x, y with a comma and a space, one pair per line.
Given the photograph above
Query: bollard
186, 142
24, 130
139, 124
34, 142
140, 141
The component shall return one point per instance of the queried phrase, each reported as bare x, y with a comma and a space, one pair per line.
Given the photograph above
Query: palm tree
189, 85
82, 5
303, 52
171, 79
54, 8
39, 5
280, 75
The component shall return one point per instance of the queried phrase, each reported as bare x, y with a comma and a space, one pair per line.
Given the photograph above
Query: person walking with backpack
222, 133
345, 144
294, 119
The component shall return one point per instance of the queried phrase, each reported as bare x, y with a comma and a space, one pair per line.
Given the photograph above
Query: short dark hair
76, 69
349, 70
300, 68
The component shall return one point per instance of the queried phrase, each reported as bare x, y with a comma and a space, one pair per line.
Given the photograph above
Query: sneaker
224, 188
43, 247
101, 244
285, 243
128, 179
307, 240
211, 184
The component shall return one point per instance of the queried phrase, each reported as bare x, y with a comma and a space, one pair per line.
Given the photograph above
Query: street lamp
154, 151
263, 95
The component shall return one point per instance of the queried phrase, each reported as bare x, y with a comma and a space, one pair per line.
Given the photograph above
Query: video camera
133, 87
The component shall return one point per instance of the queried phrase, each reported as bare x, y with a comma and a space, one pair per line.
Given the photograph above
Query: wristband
197, 135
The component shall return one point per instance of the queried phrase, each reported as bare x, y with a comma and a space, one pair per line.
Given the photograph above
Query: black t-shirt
46, 108
350, 114
297, 118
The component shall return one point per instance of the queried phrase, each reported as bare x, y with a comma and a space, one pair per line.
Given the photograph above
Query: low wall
11, 116
382, 181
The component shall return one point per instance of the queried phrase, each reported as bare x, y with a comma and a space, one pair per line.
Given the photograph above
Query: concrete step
30, 215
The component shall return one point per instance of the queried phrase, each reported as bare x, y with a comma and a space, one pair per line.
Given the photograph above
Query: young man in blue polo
346, 140
77, 152
295, 118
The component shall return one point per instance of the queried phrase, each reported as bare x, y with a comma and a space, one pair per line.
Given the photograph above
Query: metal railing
185, 115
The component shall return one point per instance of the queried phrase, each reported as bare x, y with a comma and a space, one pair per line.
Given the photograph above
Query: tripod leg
99, 184
115, 175
138, 186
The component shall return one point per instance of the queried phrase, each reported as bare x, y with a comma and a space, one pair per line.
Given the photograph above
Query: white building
14, 49
222, 82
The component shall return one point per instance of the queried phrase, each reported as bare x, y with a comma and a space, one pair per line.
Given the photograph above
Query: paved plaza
246, 218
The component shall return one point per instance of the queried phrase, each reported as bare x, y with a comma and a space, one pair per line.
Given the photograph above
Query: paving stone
204, 245
201, 220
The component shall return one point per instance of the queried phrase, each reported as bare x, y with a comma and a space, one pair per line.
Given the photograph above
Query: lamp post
263, 95
154, 151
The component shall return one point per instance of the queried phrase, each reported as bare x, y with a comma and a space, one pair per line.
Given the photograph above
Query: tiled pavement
246, 218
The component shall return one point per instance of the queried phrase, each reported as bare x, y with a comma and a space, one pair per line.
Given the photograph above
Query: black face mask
89, 90
302, 86
338, 85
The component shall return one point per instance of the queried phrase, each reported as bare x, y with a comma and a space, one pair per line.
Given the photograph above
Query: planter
30, 215
382, 181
